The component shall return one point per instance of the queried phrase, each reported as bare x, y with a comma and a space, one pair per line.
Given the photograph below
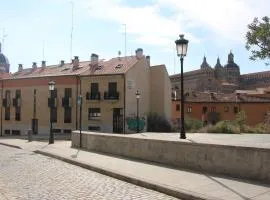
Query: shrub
241, 119
224, 127
157, 123
192, 125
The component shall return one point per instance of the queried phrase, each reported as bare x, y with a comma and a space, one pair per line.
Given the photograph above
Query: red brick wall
254, 111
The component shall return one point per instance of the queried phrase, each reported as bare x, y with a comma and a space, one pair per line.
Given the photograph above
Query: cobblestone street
26, 175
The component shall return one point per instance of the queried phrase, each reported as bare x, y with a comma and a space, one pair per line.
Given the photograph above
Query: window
18, 94
18, 113
67, 109
7, 108
68, 92
94, 128
226, 109
17, 108
189, 109
204, 109
67, 115
235, 110
177, 107
213, 109
94, 88
94, 113
112, 87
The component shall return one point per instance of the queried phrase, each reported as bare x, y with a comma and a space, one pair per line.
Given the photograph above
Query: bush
192, 125
157, 123
241, 120
224, 127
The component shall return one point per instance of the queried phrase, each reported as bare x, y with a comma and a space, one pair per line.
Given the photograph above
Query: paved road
26, 175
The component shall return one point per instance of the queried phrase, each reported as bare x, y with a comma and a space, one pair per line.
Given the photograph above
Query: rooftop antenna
173, 61
71, 32
125, 26
43, 57
3, 39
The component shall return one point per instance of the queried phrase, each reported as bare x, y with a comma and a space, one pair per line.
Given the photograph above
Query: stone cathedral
224, 79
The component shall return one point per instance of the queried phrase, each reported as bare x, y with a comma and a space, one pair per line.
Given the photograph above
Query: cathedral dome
218, 65
231, 63
204, 64
4, 63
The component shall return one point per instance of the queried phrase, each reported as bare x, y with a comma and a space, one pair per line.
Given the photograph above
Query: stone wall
240, 162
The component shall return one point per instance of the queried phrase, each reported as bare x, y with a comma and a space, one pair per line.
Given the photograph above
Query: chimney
76, 62
43, 64
139, 53
212, 97
94, 59
34, 66
62, 62
148, 60
20, 68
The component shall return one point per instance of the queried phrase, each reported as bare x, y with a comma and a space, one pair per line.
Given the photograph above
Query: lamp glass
138, 95
51, 85
181, 46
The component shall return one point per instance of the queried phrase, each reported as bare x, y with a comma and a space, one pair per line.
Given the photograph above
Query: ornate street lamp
51, 89
181, 47
138, 96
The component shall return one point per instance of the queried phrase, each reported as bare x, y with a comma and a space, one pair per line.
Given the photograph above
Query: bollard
30, 135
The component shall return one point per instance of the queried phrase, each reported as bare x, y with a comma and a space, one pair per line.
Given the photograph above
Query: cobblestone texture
26, 175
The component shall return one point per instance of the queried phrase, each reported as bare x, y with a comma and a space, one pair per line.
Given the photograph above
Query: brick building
221, 79
211, 107
108, 89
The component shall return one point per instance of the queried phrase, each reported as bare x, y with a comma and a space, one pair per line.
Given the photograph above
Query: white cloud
146, 23
226, 18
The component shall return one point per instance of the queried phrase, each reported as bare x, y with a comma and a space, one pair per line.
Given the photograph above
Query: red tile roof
113, 66
221, 97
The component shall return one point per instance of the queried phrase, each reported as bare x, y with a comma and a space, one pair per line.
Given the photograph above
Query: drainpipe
2, 88
124, 111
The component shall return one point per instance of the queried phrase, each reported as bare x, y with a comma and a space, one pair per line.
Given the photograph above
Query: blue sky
213, 27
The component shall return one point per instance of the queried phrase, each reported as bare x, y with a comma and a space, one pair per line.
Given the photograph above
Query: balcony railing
93, 95
111, 95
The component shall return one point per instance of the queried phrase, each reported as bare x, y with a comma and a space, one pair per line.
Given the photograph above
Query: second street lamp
51, 89
181, 47
138, 96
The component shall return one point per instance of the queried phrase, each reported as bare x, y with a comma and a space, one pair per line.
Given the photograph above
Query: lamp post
181, 47
80, 105
138, 96
51, 89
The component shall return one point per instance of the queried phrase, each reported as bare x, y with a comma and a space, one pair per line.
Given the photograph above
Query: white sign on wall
130, 84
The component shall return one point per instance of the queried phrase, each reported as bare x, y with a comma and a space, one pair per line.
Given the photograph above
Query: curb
10, 145
178, 193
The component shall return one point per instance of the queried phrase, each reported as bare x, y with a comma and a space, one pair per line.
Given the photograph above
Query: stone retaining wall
235, 161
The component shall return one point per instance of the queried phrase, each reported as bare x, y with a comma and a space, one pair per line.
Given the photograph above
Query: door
118, 120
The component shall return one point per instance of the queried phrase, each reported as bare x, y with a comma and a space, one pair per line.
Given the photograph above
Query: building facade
222, 79
212, 107
107, 87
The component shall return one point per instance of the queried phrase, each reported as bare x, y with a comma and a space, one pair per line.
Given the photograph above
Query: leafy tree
258, 37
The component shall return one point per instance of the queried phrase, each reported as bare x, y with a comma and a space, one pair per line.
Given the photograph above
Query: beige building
108, 89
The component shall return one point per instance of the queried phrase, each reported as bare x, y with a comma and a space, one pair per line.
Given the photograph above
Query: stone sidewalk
179, 183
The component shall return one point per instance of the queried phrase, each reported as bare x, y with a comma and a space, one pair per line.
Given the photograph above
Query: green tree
258, 39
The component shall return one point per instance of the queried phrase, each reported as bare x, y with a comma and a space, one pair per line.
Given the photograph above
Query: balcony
66, 102
111, 95
93, 96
